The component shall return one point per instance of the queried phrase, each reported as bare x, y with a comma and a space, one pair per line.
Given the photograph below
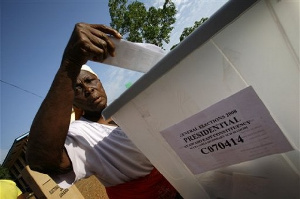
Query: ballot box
219, 115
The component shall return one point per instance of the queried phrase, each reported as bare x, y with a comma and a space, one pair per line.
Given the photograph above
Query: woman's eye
89, 80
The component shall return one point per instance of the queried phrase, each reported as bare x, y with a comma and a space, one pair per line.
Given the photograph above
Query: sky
34, 34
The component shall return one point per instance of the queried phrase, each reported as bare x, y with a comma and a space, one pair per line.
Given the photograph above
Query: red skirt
152, 186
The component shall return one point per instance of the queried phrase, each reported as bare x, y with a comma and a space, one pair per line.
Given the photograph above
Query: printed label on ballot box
236, 129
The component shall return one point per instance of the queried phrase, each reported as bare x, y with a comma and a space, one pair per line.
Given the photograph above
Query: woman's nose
87, 91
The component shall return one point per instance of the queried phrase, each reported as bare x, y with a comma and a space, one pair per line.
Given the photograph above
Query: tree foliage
188, 30
137, 24
4, 173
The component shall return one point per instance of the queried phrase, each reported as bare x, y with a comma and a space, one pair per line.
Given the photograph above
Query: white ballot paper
139, 57
236, 129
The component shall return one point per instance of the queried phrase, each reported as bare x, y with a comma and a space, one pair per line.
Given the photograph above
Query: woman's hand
90, 42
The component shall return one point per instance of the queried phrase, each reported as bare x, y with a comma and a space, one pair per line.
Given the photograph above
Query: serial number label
222, 145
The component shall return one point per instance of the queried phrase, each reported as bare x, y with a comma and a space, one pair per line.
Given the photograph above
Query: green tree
137, 24
4, 173
187, 31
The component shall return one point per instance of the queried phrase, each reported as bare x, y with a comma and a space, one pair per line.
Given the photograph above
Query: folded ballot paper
139, 57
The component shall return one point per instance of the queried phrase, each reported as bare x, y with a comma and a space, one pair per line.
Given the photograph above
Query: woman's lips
97, 99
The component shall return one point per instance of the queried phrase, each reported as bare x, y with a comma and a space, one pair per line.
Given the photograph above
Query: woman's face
89, 93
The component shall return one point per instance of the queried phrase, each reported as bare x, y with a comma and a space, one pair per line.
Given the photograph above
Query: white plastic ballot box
219, 115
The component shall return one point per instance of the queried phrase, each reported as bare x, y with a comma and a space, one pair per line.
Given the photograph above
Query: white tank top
104, 151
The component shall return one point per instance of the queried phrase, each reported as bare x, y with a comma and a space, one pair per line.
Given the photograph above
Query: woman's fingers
102, 31
91, 42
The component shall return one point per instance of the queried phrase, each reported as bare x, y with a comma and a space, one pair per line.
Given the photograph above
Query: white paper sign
236, 129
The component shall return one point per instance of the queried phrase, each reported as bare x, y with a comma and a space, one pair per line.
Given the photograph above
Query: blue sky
33, 36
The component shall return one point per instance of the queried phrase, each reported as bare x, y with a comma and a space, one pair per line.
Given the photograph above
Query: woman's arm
45, 149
